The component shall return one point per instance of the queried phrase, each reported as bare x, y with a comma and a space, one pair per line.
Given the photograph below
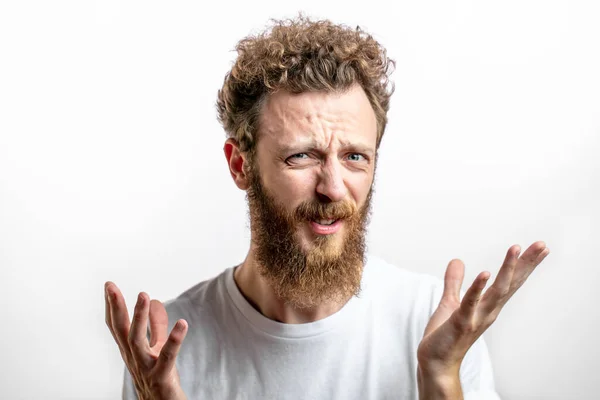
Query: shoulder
384, 275
401, 287
382, 270
197, 303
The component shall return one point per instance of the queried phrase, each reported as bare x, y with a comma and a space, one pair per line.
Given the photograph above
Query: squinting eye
296, 158
355, 157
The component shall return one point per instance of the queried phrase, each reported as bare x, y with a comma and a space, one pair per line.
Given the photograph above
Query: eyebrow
302, 147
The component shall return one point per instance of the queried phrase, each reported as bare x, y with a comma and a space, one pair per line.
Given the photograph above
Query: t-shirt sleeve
476, 374
129, 392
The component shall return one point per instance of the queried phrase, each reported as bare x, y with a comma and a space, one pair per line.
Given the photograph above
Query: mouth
325, 221
326, 226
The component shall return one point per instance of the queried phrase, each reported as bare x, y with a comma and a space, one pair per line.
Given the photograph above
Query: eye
298, 159
299, 156
356, 157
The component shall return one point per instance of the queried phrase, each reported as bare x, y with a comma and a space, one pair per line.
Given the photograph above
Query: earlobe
236, 162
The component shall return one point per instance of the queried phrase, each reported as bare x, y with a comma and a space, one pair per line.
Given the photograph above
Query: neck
261, 296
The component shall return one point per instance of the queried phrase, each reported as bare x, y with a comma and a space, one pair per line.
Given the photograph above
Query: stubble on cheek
303, 268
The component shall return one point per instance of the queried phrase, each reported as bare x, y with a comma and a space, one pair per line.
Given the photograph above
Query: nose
331, 186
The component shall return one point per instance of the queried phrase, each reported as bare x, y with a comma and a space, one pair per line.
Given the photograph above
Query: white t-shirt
365, 351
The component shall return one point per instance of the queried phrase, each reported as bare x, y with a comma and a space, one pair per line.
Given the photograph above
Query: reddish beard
329, 271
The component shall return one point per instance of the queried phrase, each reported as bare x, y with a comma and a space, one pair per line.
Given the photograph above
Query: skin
319, 145
314, 144
151, 363
456, 324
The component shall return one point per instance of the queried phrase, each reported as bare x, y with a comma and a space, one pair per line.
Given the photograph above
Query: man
307, 315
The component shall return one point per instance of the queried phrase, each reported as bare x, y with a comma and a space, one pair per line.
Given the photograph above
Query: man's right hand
151, 364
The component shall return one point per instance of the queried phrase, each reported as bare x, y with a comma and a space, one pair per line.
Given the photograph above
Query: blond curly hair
300, 55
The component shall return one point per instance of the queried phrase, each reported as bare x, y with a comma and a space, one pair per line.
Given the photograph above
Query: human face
309, 191
318, 146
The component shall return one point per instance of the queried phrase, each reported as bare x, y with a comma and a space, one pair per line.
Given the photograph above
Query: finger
532, 253
470, 301
504, 279
532, 257
542, 255
168, 354
453, 279
119, 318
137, 339
159, 323
107, 316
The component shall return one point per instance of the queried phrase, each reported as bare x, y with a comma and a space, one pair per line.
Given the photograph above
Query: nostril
324, 198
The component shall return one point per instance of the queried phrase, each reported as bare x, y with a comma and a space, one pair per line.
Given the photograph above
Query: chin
328, 245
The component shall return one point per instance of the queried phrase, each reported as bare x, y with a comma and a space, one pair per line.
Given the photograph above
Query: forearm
434, 387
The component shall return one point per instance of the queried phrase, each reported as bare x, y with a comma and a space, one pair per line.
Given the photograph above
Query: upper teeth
326, 221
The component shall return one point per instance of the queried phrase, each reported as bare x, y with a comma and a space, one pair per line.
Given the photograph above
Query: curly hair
299, 56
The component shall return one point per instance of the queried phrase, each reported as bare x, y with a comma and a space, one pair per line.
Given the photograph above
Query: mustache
312, 210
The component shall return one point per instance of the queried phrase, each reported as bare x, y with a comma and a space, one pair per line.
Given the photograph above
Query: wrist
439, 385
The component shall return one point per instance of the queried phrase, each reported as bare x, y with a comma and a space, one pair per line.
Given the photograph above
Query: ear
236, 161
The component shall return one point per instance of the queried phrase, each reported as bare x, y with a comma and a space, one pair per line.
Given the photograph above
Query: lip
326, 229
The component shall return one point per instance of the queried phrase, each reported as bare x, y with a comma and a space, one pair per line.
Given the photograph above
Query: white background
111, 168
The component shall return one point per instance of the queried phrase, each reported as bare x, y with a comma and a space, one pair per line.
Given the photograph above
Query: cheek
295, 186
358, 187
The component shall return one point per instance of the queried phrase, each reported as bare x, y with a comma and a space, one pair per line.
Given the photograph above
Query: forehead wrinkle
321, 129
309, 121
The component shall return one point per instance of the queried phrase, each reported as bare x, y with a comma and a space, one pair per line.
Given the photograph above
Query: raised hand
456, 324
151, 364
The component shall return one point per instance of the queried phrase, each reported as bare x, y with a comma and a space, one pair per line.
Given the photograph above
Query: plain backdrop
111, 168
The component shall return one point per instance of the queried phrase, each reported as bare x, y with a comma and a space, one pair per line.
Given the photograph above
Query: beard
330, 270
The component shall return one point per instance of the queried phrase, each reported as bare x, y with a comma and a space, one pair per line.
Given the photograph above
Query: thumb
450, 300
453, 279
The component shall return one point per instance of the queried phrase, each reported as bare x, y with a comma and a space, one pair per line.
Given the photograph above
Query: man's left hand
456, 324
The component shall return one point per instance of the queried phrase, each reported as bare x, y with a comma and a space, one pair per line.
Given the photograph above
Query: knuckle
464, 325
492, 317
499, 293
167, 354
472, 301
136, 344
457, 322
138, 316
469, 328
132, 340
503, 294
175, 338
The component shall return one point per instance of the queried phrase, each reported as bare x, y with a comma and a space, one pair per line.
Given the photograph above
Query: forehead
320, 119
